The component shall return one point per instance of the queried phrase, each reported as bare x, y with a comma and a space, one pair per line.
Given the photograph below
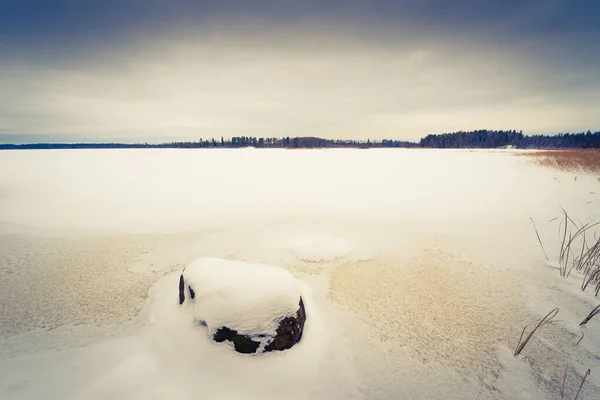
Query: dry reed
571, 160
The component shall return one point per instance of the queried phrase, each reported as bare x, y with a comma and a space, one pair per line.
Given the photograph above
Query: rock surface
289, 332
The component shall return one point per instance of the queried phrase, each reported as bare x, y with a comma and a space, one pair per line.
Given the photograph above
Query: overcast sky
154, 70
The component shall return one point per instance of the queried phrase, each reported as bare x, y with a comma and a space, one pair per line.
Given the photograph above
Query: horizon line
120, 141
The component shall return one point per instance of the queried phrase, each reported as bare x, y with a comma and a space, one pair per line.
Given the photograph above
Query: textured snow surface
318, 249
248, 298
418, 270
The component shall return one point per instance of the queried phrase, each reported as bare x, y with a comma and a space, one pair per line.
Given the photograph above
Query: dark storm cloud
64, 19
62, 29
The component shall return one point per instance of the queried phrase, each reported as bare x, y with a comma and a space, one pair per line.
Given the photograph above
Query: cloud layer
152, 71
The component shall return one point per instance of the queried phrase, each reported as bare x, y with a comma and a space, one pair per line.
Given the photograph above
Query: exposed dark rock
289, 331
181, 290
242, 343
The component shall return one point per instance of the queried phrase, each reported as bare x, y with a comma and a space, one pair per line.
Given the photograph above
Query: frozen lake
423, 265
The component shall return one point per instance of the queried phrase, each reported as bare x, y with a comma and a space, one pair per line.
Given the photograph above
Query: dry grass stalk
539, 239
587, 259
587, 373
563, 265
591, 315
522, 343
562, 387
589, 265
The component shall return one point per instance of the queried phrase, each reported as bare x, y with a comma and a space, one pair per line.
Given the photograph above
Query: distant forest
480, 139
485, 139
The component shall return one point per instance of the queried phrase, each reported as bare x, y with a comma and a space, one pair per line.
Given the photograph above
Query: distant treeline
480, 139
486, 139
235, 142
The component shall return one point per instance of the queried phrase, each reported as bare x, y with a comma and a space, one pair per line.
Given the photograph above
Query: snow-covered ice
418, 270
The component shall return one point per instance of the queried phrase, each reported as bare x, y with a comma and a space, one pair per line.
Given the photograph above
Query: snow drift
258, 308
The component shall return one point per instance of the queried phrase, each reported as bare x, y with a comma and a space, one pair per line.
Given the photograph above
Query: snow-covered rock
257, 308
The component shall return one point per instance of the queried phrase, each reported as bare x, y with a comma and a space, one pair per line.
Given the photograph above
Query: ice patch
173, 358
319, 248
517, 380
